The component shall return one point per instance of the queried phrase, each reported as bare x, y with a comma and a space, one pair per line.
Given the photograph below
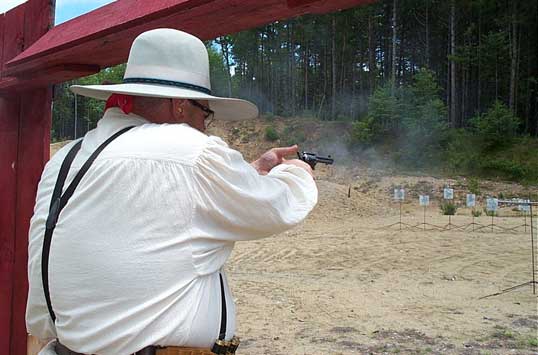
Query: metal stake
473, 219
532, 246
400, 215
424, 217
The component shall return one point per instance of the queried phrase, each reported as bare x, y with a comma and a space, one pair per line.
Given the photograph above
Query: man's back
136, 252
120, 260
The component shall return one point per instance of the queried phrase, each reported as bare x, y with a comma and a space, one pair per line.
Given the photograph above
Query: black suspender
223, 319
51, 222
59, 201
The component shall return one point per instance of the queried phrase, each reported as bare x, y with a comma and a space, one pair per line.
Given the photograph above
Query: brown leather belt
225, 348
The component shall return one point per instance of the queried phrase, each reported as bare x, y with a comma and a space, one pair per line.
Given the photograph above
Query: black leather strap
51, 222
58, 202
178, 84
224, 315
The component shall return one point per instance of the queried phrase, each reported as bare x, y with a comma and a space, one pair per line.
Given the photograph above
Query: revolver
312, 159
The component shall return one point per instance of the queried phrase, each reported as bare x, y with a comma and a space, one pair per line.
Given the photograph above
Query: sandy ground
343, 282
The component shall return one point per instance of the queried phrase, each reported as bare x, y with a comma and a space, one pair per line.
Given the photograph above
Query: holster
223, 347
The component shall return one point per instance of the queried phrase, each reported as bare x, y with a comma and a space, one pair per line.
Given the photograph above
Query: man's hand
275, 156
272, 158
300, 164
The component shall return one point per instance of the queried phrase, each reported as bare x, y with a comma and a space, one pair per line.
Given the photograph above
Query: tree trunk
306, 64
343, 65
464, 79
513, 58
291, 58
224, 45
479, 83
372, 65
453, 94
400, 73
427, 25
393, 65
333, 65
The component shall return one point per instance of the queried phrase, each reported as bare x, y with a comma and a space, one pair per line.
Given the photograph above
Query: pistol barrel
324, 160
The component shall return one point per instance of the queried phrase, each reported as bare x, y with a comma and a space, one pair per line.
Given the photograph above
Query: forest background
434, 85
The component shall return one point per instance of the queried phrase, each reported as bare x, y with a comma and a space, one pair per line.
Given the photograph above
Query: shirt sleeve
234, 202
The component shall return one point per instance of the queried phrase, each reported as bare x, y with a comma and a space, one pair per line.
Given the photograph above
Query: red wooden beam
24, 143
295, 3
103, 37
60, 73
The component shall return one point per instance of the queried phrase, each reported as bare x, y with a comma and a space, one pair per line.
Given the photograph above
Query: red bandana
125, 102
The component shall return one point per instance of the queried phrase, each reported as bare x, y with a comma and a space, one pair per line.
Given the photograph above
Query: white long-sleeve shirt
136, 253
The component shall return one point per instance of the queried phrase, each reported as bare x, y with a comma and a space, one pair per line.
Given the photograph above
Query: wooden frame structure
34, 55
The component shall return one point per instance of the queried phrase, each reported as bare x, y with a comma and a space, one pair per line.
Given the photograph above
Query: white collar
113, 120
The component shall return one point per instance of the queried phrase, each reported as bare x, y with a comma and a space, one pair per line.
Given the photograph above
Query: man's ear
178, 108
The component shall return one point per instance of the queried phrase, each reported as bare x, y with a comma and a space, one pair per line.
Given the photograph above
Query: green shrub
271, 134
425, 87
504, 168
476, 213
425, 132
490, 213
448, 208
385, 110
462, 152
362, 132
474, 186
497, 127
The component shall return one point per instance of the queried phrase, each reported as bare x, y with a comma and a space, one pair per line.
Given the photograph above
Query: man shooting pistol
312, 159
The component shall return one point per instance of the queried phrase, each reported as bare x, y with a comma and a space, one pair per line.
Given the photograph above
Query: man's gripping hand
275, 156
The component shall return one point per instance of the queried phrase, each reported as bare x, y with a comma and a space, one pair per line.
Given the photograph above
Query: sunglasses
208, 112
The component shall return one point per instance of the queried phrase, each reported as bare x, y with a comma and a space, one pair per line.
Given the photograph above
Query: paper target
399, 194
471, 200
424, 200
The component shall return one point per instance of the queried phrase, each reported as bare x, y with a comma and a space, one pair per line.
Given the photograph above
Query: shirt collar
113, 120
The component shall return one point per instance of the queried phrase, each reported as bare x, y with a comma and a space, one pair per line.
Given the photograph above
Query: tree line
480, 53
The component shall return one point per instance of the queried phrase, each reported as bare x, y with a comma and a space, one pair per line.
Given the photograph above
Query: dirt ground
344, 282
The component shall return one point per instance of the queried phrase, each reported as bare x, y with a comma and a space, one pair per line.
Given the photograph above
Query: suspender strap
222, 333
59, 201
221, 346
51, 222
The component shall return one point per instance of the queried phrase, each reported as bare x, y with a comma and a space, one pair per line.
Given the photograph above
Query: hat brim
228, 109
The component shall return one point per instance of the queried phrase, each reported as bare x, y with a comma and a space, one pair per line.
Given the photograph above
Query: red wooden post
24, 139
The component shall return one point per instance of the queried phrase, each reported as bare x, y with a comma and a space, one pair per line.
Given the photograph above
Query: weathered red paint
9, 133
13, 24
24, 141
34, 151
295, 3
44, 77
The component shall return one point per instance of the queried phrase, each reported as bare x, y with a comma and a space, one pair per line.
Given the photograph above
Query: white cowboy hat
169, 63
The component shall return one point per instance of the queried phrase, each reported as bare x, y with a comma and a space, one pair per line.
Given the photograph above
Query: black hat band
178, 84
